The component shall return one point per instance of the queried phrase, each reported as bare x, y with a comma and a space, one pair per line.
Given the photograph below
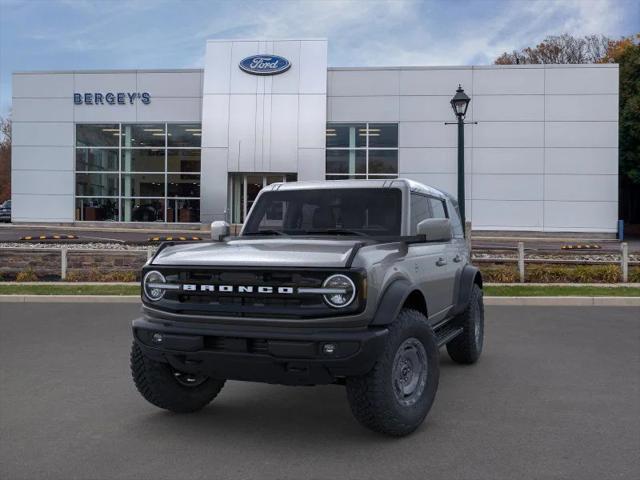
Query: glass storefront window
183, 185
346, 177
361, 150
346, 161
383, 135
96, 209
383, 161
184, 135
96, 160
346, 136
143, 209
152, 174
183, 211
97, 135
96, 184
143, 185
183, 160
143, 135
143, 160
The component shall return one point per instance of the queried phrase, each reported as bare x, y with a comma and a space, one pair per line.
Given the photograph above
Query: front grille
251, 304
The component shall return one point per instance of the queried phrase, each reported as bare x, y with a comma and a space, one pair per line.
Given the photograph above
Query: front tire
169, 389
467, 347
396, 395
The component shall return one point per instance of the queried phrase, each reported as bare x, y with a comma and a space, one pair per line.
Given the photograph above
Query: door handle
457, 259
441, 262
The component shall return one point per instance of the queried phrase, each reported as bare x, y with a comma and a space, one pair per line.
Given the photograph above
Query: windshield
342, 211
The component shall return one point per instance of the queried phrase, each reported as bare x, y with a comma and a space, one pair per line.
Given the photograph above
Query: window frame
366, 148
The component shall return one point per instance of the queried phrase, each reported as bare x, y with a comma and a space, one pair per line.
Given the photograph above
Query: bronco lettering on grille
190, 287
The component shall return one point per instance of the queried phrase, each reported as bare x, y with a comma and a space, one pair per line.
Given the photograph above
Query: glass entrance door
244, 189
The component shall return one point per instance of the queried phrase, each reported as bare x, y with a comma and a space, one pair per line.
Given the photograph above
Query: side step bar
446, 333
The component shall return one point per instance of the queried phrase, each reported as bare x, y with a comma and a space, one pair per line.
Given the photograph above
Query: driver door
432, 262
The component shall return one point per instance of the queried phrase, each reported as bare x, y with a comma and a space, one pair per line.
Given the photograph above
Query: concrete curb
491, 301
556, 284
565, 301
70, 299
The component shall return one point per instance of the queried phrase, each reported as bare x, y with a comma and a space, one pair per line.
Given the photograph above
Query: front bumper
287, 356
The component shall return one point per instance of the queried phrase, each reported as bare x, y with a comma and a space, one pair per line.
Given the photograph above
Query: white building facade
192, 146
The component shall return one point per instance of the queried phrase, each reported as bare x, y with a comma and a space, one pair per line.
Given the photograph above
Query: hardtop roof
412, 185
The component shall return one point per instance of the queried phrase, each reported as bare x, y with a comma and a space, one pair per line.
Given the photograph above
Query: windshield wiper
335, 231
267, 232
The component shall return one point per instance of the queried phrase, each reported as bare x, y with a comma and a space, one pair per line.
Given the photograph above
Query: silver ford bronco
355, 282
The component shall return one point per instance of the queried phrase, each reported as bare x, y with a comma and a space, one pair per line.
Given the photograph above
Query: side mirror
219, 230
435, 229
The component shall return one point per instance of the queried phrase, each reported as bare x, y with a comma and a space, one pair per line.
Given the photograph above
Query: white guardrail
64, 253
521, 259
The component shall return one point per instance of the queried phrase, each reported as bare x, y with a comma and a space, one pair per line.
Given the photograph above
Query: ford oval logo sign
265, 64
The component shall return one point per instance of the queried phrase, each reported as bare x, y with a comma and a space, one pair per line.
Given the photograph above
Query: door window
419, 211
437, 208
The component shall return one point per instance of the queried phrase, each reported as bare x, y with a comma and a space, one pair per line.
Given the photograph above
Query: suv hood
262, 252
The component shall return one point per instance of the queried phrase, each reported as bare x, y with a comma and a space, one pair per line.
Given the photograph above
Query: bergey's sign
265, 64
110, 98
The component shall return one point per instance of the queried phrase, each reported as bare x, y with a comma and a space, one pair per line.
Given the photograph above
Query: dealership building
194, 145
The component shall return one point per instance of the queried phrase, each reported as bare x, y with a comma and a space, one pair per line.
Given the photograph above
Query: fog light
156, 338
329, 348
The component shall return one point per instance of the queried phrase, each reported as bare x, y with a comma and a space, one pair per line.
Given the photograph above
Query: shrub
553, 273
497, 273
27, 275
74, 277
98, 276
540, 273
634, 274
120, 276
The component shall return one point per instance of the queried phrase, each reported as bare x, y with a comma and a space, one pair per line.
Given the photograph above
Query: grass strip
53, 289
559, 291
494, 291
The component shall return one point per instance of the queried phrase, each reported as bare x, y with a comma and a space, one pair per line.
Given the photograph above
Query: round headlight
150, 283
345, 291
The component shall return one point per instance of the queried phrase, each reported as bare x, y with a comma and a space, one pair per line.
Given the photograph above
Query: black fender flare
391, 301
468, 277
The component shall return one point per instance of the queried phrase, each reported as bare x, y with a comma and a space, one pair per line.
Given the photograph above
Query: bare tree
5, 158
563, 48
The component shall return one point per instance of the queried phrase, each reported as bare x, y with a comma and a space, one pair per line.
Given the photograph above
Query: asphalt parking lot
555, 395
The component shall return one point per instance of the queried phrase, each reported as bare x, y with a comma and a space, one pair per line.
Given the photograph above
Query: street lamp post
460, 103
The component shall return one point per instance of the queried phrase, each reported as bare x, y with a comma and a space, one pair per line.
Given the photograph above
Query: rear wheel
467, 347
165, 387
396, 395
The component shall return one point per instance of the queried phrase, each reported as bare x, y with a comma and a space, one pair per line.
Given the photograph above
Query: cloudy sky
92, 34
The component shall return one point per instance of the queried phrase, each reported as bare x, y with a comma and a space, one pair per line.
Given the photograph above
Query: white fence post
467, 235
625, 261
521, 261
149, 252
63, 262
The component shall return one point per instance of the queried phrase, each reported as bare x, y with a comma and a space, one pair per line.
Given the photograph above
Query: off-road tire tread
153, 381
371, 396
462, 349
